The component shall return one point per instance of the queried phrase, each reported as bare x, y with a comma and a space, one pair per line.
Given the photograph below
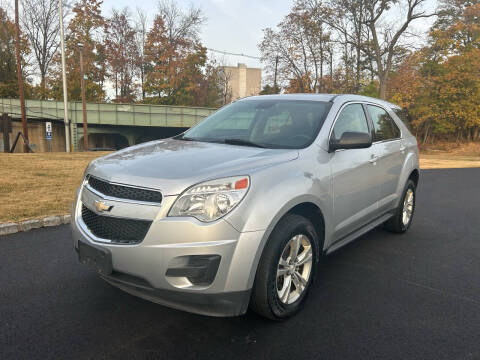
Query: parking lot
385, 296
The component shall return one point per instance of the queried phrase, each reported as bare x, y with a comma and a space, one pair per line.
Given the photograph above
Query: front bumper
141, 269
221, 304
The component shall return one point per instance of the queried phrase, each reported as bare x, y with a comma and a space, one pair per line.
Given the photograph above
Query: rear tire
401, 221
286, 270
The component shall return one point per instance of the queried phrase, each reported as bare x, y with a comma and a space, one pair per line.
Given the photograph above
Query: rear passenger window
385, 127
351, 119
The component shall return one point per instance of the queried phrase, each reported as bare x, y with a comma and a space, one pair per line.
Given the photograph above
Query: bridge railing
110, 114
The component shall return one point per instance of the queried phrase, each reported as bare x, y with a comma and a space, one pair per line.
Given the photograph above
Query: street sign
48, 130
48, 135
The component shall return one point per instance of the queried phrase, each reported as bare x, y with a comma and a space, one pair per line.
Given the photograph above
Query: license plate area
97, 259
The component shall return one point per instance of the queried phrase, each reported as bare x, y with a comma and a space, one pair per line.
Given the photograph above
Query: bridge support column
130, 138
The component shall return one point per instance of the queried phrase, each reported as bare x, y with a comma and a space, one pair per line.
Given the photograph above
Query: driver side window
351, 119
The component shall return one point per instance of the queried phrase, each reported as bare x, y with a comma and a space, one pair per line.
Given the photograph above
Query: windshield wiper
183, 137
242, 142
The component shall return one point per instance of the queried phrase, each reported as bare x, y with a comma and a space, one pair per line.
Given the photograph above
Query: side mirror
351, 140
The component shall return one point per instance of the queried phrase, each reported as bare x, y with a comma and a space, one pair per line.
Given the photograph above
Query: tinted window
269, 123
351, 119
385, 127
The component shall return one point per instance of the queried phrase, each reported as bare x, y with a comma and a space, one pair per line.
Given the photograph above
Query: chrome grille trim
87, 185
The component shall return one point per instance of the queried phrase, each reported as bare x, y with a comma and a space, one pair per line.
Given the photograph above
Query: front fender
274, 193
410, 164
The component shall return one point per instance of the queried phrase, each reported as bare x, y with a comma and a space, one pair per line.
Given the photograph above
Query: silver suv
238, 210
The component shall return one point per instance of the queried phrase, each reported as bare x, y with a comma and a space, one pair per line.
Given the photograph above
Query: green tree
269, 90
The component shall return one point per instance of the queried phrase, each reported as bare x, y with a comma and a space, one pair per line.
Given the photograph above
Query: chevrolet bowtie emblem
101, 206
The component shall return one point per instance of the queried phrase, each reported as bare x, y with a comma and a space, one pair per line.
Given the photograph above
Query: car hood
174, 165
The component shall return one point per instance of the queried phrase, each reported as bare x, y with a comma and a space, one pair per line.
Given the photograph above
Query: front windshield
277, 124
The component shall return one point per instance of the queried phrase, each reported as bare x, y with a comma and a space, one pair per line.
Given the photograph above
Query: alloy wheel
294, 269
407, 207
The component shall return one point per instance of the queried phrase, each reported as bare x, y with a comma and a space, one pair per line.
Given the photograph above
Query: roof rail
334, 97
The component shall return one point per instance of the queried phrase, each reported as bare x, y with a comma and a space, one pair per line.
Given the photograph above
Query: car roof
323, 97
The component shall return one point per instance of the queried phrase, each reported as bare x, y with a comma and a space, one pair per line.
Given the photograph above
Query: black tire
265, 300
396, 224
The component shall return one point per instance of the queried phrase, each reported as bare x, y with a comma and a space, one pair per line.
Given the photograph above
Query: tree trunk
320, 85
358, 77
383, 78
425, 137
476, 134
43, 86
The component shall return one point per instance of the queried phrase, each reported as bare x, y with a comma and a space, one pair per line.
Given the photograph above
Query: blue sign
48, 135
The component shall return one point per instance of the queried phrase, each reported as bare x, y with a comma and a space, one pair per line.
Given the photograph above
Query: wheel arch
303, 206
313, 213
410, 170
414, 176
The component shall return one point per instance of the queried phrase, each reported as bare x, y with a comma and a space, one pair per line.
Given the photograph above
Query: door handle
402, 147
373, 159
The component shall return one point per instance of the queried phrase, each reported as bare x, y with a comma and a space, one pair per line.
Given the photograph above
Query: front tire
401, 221
286, 269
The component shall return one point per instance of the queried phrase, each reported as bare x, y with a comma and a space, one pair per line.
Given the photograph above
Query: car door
354, 176
387, 145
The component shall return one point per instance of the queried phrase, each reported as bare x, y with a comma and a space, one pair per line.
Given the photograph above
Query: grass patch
44, 184
40, 184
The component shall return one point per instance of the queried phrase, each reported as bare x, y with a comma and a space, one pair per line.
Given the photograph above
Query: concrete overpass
129, 123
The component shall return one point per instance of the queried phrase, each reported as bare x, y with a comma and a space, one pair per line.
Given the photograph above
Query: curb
12, 228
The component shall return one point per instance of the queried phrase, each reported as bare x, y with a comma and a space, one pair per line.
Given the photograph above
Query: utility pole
20, 80
84, 104
64, 80
275, 76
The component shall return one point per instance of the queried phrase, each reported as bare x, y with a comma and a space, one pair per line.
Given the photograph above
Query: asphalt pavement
385, 296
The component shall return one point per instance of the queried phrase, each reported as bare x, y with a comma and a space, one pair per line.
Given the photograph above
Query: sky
232, 25
236, 26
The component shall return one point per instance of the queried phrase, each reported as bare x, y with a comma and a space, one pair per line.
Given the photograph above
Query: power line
234, 54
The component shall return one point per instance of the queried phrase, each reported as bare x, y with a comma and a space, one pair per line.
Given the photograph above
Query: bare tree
40, 24
347, 19
224, 78
385, 38
298, 49
180, 25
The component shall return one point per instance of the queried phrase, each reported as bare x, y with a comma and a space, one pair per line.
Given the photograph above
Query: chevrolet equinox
237, 211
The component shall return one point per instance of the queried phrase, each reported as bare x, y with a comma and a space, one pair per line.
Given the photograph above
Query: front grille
118, 230
124, 192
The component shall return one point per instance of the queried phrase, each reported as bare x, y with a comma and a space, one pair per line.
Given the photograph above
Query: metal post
64, 79
6, 125
84, 105
20, 79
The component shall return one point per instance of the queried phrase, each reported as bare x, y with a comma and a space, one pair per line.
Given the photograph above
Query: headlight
211, 200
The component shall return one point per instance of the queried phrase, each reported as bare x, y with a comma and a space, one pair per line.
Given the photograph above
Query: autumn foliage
364, 47
352, 46
440, 84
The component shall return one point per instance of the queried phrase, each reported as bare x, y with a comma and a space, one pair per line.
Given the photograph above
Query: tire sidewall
410, 185
280, 239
